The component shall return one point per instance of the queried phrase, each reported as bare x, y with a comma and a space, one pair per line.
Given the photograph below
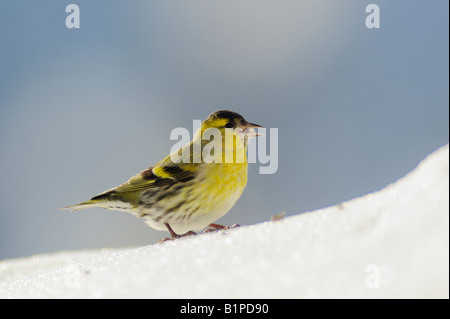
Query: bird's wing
164, 173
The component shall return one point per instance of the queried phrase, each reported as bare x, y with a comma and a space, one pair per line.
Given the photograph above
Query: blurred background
82, 110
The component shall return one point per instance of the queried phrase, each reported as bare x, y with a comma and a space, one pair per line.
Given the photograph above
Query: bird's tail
84, 205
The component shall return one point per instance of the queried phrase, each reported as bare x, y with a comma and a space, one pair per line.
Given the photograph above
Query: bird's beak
252, 125
250, 130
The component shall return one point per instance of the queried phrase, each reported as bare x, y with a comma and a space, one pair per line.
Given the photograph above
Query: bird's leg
216, 227
174, 235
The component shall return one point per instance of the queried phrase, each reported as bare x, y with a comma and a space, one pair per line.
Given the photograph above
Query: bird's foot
174, 235
189, 233
216, 227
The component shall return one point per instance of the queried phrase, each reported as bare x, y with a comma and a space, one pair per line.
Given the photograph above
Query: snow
393, 243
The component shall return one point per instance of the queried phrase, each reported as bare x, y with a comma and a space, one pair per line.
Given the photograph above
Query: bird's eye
228, 125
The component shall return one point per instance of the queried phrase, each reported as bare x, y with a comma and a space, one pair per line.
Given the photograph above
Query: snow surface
393, 243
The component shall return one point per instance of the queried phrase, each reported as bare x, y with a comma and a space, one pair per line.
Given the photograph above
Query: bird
192, 187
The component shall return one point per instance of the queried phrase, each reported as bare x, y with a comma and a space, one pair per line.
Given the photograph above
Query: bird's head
222, 138
234, 122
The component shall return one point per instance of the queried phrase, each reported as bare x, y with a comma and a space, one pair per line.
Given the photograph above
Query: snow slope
393, 243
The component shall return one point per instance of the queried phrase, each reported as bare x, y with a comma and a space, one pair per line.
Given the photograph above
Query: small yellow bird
191, 188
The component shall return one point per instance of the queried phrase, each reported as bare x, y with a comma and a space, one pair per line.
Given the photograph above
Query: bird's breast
224, 183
